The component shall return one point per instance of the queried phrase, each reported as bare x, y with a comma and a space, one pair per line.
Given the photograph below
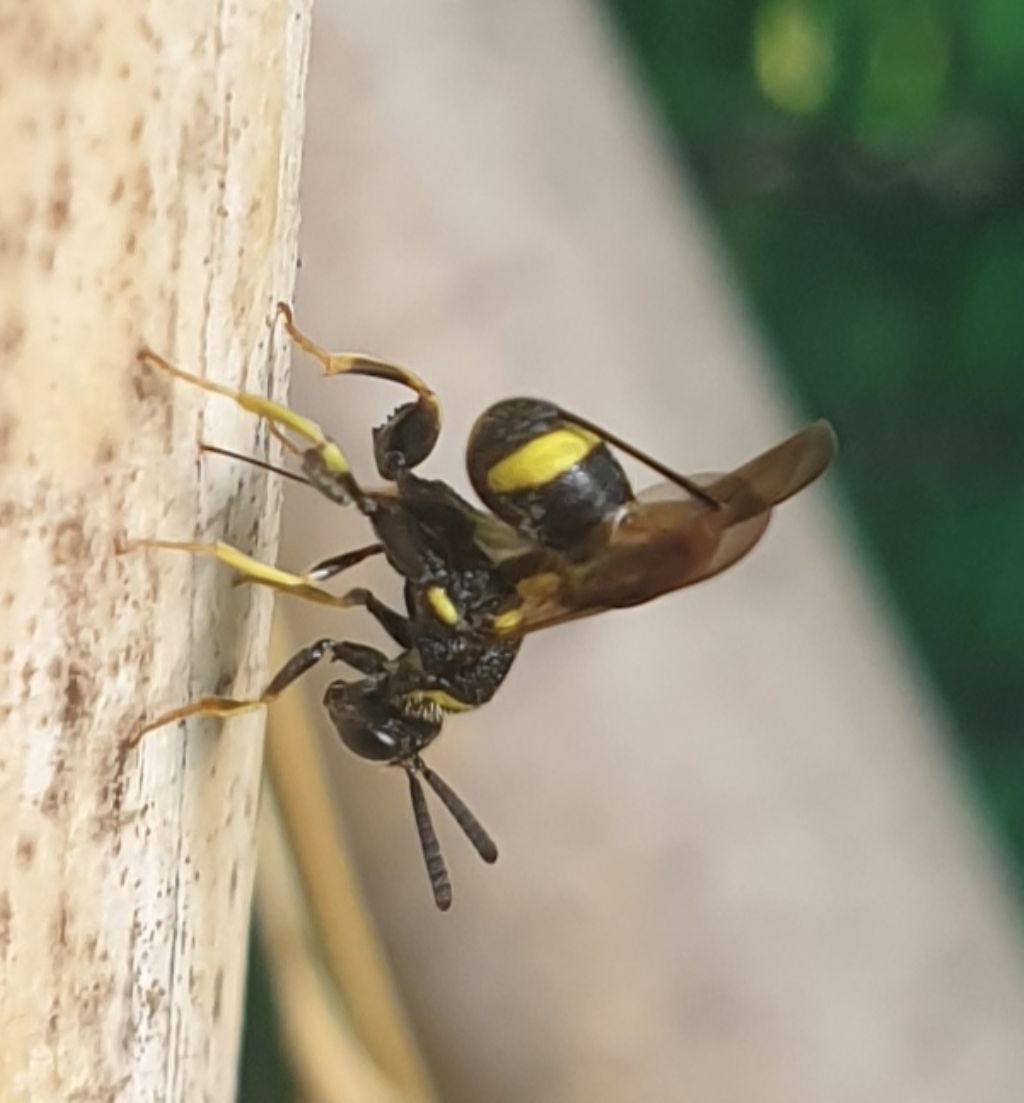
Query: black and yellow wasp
565, 537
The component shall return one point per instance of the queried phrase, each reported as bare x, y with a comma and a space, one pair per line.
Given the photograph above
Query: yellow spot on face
542, 460
442, 606
508, 621
442, 699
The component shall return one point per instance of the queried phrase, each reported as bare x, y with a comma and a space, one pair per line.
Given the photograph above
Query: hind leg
408, 436
295, 667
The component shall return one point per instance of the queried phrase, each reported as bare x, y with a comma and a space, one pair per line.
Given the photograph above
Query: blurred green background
863, 165
862, 162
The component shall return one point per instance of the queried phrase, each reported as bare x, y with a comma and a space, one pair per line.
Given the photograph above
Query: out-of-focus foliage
864, 162
264, 1071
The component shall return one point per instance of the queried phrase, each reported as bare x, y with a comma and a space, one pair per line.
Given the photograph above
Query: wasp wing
669, 539
749, 493
787, 468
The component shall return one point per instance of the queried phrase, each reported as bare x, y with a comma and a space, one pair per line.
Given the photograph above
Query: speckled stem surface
147, 196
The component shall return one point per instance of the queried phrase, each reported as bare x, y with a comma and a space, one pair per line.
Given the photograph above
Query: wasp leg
252, 570
328, 568
329, 469
367, 660
225, 707
408, 436
355, 363
397, 626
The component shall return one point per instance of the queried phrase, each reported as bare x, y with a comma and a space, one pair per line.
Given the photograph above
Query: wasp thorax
548, 477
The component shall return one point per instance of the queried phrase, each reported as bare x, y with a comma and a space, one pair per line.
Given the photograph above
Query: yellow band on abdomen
541, 460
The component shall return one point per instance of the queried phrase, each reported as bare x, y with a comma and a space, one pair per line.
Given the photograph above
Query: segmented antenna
282, 471
436, 869
473, 828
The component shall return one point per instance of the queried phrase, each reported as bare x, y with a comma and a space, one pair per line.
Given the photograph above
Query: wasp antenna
473, 828
436, 869
282, 471
692, 488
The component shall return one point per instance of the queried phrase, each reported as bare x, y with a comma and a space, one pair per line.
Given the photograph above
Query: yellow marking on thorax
508, 621
441, 698
442, 606
539, 587
541, 460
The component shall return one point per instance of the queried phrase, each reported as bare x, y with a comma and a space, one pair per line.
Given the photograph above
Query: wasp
563, 536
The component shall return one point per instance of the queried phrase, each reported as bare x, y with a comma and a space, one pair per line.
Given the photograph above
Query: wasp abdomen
548, 477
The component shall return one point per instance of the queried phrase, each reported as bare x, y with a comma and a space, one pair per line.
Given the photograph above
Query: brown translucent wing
753, 490
671, 540
735, 539
787, 468
773, 476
